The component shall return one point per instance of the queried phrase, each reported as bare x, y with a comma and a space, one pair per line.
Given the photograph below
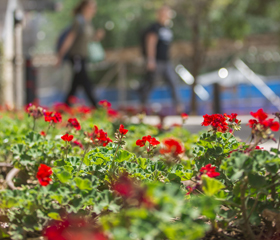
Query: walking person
75, 46
156, 42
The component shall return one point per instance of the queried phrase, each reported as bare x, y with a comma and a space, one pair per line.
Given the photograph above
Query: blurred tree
208, 20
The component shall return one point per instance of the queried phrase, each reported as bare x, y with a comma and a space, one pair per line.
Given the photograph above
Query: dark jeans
165, 70
80, 78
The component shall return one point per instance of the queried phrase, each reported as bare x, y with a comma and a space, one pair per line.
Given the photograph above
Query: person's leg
87, 84
171, 79
147, 86
75, 82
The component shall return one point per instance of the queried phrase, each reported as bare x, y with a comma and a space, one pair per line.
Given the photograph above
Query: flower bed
91, 174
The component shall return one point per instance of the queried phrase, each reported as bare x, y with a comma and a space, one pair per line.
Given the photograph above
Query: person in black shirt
156, 42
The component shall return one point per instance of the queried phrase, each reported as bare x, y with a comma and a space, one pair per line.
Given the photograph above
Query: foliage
112, 192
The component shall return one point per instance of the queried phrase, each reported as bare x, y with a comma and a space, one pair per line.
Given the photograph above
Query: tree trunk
196, 61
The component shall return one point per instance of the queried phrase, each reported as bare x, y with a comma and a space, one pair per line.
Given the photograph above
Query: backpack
64, 33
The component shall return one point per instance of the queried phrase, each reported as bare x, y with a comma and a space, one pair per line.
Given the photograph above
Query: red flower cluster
42, 133
73, 122
73, 229
43, 174
67, 137
124, 186
172, 146
259, 148
112, 113
84, 109
217, 121
209, 171
77, 143
100, 137
149, 139
34, 111
52, 117
105, 103
262, 120
127, 188
122, 130
184, 116
232, 118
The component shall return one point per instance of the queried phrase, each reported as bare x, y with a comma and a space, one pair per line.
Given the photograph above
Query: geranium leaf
211, 186
54, 216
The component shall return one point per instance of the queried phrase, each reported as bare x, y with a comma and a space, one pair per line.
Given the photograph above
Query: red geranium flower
217, 121
122, 130
173, 146
73, 228
100, 137
270, 123
74, 123
77, 143
84, 109
34, 111
232, 117
50, 117
209, 171
105, 103
67, 137
252, 123
263, 122
140, 143
149, 139
259, 148
154, 142
43, 133
124, 186
260, 115
112, 113
184, 116
57, 117
43, 174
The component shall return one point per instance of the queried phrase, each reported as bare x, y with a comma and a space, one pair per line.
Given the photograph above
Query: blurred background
226, 53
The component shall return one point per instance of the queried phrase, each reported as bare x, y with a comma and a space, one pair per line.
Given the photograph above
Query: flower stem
34, 124
115, 155
247, 228
84, 155
66, 152
48, 129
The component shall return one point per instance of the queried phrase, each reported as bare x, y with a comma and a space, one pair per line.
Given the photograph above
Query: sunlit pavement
193, 124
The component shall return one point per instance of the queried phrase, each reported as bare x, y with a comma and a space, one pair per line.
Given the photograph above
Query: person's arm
99, 35
66, 46
151, 48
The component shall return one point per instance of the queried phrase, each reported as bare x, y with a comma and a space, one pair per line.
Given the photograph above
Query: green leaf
237, 175
174, 178
123, 155
211, 186
54, 216
142, 162
184, 175
87, 161
64, 176
99, 158
256, 180
83, 184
